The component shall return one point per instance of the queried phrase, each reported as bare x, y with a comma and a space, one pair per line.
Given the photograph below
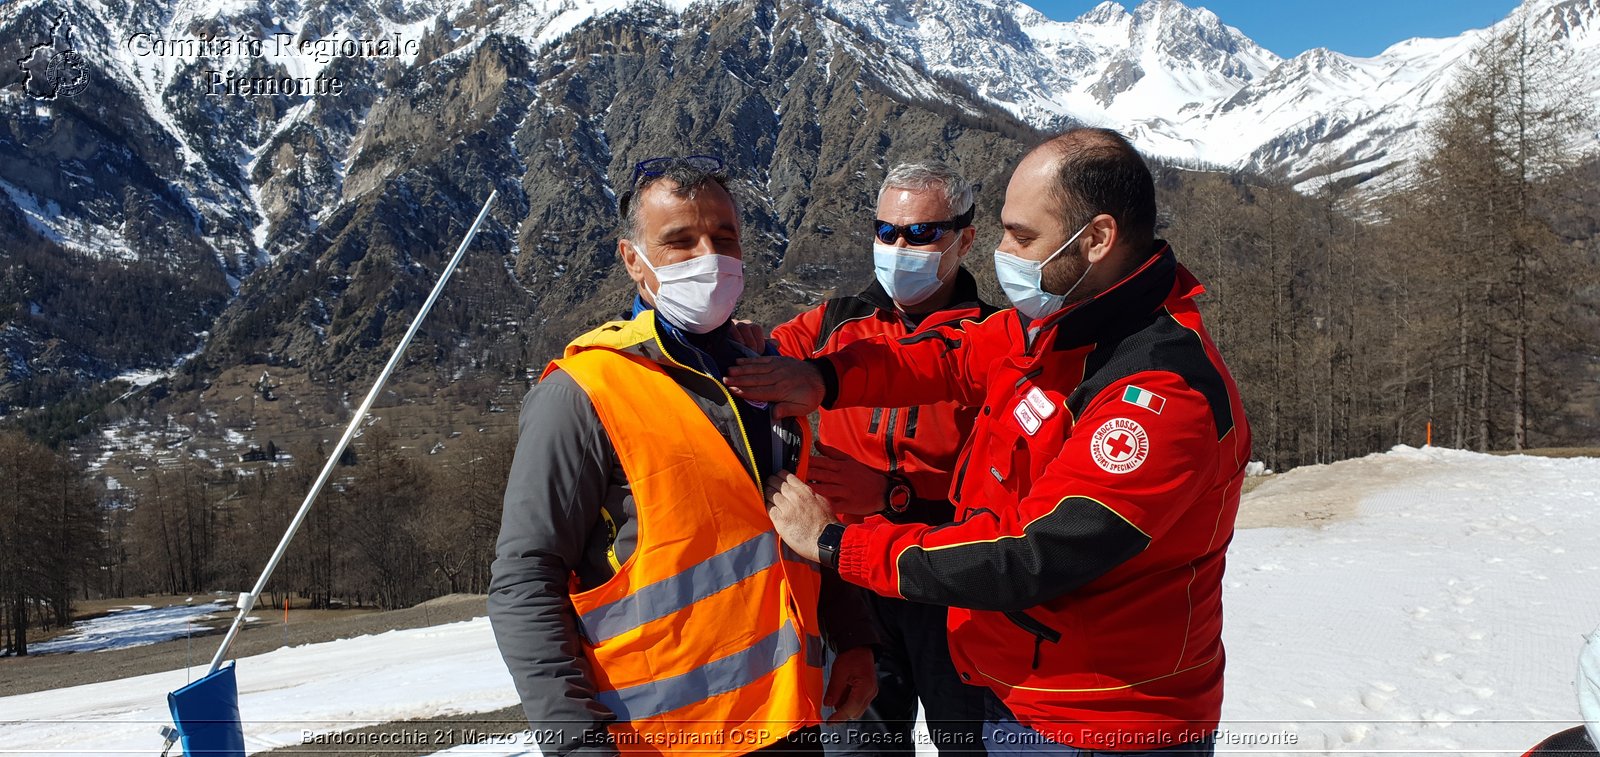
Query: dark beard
1065, 271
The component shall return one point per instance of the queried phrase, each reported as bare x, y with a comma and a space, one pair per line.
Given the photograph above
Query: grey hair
689, 180
927, 174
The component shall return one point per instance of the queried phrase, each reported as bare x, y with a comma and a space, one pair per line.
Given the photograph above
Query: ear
1100, 238
630, 261
968, 236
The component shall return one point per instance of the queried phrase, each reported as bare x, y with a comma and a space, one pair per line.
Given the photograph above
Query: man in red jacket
1096, 496
897, 461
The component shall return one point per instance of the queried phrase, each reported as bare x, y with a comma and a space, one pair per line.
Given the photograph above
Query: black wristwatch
898, 496
828, 545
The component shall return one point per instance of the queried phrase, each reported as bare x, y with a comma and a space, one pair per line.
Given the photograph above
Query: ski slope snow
1445, 612
130, 627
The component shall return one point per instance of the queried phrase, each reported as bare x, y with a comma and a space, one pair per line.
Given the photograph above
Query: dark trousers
913, 664
1004, 735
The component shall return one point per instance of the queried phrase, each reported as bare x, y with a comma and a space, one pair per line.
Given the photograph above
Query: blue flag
207, 715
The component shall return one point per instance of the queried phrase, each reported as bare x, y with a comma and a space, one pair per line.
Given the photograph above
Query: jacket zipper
961, 473
738, 420
888, 441
1041, 632
1028, 375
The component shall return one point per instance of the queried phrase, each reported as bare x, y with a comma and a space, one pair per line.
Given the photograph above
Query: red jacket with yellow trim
918, 444
1096, 498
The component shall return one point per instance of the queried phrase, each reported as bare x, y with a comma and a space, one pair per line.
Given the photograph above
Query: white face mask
909, 276
1023, 281
698, 294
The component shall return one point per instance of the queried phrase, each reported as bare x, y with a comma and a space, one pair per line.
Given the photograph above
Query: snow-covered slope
1443, 610
133, 626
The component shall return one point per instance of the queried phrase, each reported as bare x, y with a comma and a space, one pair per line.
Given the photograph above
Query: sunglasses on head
923, 233
653, 167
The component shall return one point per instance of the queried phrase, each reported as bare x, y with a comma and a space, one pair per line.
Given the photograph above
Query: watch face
828, 544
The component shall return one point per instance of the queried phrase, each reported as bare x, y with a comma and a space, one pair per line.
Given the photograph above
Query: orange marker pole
286, 611
1430, 433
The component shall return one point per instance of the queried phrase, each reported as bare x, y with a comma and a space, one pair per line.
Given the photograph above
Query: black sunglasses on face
915, 233
654, 167
923, 233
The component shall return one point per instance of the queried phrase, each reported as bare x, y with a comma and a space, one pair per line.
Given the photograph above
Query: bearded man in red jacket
1096, 496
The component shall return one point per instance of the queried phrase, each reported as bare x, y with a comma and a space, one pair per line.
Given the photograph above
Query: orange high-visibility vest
706, 640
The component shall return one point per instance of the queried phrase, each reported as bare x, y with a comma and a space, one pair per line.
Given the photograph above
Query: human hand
852, 685
850, 486
794, 387
798, 513
750, 334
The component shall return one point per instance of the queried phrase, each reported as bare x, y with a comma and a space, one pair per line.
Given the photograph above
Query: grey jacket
566, 504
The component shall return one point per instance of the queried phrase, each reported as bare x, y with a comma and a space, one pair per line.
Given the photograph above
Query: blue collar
713, 350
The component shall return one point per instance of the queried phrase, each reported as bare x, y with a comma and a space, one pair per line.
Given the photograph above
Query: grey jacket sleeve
552, 502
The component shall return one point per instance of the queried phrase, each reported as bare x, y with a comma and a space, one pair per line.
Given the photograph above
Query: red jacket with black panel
1096, 499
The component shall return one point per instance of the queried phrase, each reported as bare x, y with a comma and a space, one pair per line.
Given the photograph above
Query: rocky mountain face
180, 186
301, 232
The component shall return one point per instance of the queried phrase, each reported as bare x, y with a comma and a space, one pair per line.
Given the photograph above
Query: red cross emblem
1120, 445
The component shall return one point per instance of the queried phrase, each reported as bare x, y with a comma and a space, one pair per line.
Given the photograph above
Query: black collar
1122, 307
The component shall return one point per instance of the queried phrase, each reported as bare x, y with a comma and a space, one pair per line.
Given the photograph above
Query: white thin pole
247, 602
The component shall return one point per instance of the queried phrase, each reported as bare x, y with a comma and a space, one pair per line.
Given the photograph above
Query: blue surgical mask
909, 276
1023, 281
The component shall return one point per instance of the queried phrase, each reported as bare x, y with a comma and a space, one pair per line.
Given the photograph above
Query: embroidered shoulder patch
1144, 398
1119, 446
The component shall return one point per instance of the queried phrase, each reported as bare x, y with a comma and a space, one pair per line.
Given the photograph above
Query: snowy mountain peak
1575, 20
1108, 13
1196, 38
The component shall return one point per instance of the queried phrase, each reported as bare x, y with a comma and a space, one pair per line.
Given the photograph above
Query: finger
752, 366
830, 696
794, 486
753, 338
783, 410
827, 464
768, 381
834, 475
829, 452
855, 703
842, 704
772, 487
833, 490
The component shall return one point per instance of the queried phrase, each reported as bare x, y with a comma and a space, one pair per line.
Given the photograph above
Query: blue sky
1353, 27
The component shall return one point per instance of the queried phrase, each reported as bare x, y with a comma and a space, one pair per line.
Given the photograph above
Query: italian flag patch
1144, 398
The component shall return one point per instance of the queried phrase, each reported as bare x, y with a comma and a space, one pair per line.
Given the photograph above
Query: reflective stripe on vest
732, 672
663, 598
